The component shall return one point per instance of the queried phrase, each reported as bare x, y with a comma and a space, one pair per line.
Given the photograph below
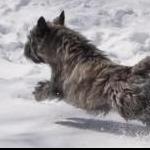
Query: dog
83, 76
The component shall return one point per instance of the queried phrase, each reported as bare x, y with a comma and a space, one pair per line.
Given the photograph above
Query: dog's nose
27, 50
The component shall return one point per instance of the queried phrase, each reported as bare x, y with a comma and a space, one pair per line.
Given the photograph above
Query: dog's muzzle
32, 55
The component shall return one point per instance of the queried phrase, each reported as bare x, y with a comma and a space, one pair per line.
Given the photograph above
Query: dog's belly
87, 96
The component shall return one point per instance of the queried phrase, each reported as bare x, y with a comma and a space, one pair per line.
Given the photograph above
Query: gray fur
84, 77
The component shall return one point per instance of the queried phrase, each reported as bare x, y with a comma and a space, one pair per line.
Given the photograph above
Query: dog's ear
42, 24
60, 20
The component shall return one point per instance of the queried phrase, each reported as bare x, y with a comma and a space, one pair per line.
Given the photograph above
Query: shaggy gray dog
84, 77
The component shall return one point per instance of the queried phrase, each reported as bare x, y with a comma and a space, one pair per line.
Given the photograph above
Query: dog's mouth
32, 55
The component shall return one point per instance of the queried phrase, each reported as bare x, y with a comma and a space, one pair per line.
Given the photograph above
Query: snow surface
119, 27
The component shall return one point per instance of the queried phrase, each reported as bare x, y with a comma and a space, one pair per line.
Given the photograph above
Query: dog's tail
143, 67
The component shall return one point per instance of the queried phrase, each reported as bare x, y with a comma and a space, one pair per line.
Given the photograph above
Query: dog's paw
42, 91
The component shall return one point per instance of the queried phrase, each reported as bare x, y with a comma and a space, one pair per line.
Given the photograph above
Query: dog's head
40, 47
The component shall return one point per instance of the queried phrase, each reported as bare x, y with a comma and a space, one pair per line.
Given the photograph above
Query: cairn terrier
84, 76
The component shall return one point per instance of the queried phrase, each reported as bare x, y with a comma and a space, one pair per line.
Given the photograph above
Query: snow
120, 28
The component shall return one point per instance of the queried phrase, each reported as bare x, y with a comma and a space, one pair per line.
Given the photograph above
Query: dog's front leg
47, 90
